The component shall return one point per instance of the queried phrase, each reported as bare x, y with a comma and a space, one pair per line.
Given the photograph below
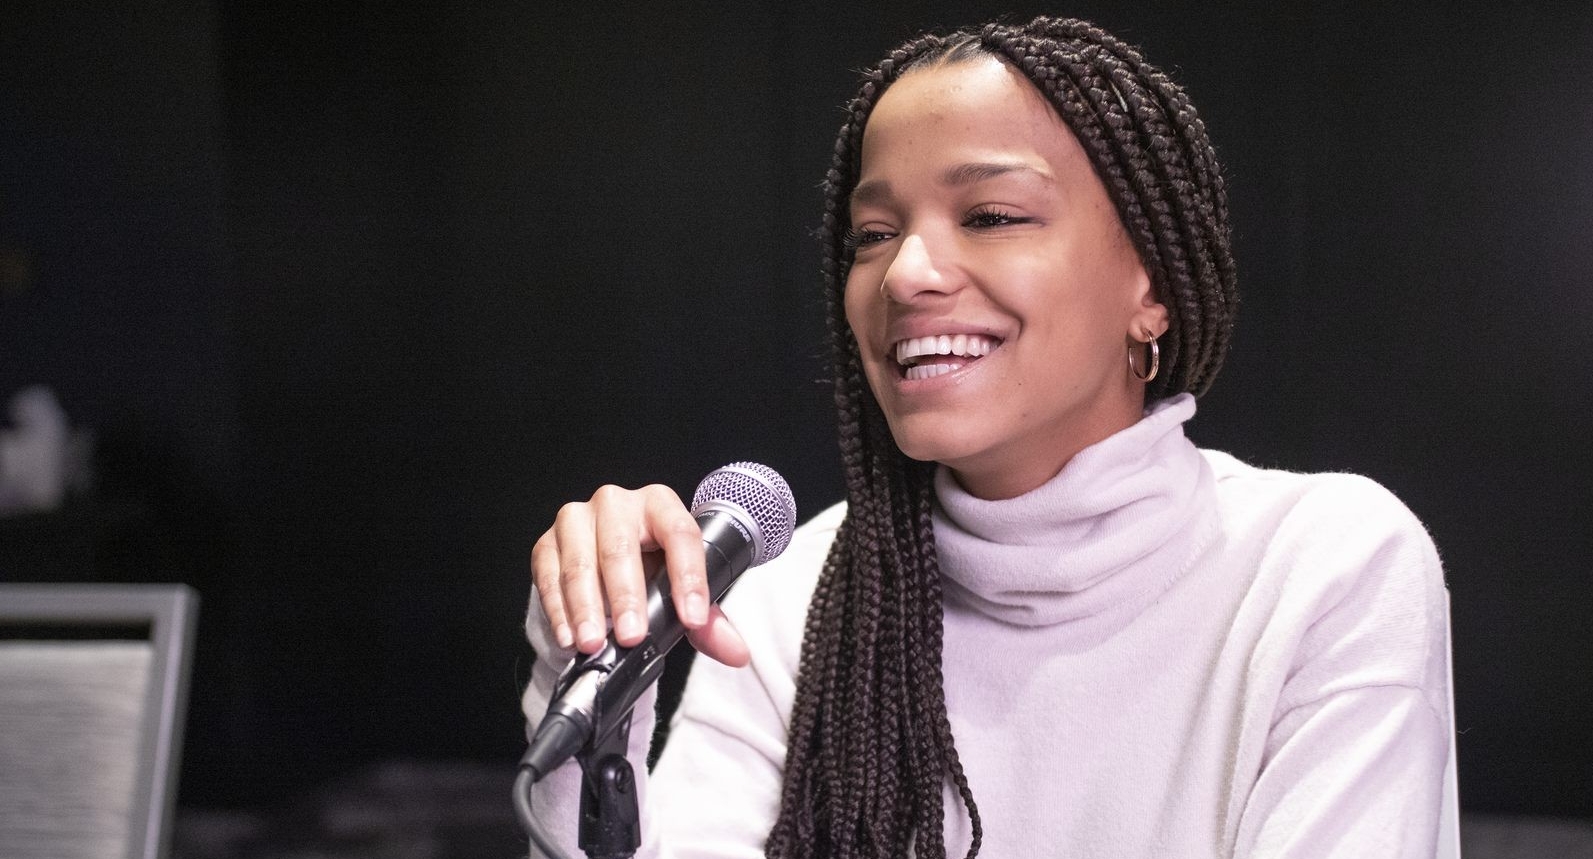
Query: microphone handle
728, 551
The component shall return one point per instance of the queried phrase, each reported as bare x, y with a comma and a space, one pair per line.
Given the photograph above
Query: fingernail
561, 634
588, 631
696, 609
628, 625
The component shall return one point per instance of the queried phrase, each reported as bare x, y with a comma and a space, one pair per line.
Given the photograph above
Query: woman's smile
927, 357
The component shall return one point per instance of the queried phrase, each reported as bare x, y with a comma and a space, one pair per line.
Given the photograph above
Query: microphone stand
610, 815
745, 512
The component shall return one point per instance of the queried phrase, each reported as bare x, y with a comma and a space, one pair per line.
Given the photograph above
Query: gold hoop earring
1155, 360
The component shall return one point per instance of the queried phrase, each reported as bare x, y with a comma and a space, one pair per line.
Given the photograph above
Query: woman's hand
603, 550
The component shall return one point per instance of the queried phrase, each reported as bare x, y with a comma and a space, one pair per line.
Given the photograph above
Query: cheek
855, 301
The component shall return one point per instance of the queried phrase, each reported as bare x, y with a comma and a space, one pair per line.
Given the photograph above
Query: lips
938, 354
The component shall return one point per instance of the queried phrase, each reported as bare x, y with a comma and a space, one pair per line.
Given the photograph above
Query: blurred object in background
41, 458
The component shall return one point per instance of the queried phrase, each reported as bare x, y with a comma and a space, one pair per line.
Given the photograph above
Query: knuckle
626, 601
547, 588
577, 572
681, 527
686, 582
545, 548
618, 547
544, 568
545, 578
570, 511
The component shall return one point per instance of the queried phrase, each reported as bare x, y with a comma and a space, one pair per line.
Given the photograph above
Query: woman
1043, 623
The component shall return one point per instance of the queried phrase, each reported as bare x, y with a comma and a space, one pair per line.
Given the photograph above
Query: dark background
355, 295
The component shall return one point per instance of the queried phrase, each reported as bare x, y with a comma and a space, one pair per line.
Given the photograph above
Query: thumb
718, 640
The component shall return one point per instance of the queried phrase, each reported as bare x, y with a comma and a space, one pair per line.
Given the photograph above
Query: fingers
592, 565
590, 537
673, 529
619, 533
545, 576
568, 581
718, 640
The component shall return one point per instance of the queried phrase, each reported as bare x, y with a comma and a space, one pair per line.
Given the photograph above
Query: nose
915, 272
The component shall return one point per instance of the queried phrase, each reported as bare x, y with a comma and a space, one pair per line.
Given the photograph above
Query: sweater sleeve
1357, 774
1354, 757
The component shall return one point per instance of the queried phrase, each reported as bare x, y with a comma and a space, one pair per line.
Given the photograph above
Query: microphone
746, 514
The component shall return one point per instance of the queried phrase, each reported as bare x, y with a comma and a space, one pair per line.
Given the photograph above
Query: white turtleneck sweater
1161, 652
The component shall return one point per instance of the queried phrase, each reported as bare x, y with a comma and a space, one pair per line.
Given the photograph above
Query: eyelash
854, 239
979, 218
993, 218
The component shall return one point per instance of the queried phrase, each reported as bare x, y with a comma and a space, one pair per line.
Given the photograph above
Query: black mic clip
592, 701
610, 824
610, 821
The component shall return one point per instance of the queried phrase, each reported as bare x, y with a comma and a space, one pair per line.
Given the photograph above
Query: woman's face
994, 293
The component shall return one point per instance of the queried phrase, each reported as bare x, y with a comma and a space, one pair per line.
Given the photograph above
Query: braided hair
871, 746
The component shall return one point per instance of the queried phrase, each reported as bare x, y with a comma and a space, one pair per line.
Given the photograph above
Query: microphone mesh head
762, 494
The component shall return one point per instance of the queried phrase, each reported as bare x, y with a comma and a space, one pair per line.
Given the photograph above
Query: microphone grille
762, 494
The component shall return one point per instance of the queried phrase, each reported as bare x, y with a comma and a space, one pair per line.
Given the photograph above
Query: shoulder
1233, 474
797, 568
1343, 569
1296, 509
769, 603
818, 533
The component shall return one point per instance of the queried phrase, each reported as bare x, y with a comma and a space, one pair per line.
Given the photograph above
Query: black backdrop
356, 294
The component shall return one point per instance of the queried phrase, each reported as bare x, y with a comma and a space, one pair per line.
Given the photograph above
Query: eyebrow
957, 175
968, 174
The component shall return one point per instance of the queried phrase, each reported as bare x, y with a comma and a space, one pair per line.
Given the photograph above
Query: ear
1150, 315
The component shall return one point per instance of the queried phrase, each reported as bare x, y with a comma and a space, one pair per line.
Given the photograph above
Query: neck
1011, 473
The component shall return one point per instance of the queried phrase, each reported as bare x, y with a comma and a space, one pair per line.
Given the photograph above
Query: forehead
971, 109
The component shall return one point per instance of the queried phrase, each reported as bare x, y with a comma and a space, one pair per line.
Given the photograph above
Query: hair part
870, 746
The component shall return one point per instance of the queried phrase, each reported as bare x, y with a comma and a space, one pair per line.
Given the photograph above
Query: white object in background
34, 452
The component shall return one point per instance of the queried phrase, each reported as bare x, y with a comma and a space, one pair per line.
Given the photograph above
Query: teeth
961, 345
930, 371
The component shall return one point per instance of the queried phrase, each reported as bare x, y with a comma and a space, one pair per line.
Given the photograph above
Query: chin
946, 445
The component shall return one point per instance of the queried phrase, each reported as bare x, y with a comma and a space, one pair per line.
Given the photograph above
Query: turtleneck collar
1112, 530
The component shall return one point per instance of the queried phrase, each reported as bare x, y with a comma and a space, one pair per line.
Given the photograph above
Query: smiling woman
978, 213
1043, 622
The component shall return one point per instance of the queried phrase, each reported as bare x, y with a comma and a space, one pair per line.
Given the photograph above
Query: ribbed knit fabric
1162, 652
1108, 533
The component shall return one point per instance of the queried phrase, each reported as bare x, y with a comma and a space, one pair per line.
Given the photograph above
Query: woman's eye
985, 218
855, 239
